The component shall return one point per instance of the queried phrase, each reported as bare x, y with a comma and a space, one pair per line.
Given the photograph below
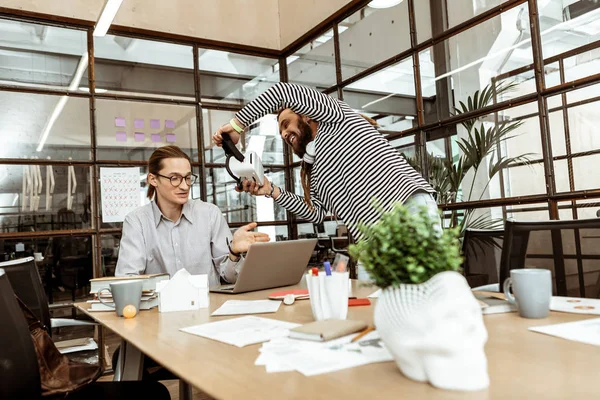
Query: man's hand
244, 237
227, 128
253, 188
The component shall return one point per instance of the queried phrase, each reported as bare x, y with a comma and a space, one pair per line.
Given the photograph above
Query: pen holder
328, 295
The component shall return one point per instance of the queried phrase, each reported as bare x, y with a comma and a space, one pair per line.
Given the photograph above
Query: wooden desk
522, 364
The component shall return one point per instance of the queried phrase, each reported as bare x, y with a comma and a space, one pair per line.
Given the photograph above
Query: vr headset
242, 166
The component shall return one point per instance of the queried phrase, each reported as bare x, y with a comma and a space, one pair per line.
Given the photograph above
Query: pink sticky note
121, 137
139, 136
120, 121
169, 124
156, 137
138, 123
155, 123
171, 137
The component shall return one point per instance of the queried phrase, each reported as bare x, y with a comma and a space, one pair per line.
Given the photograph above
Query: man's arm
132, 254
296, 204
227, 266
302, 100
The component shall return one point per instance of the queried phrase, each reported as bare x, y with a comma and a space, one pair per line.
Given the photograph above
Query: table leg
130, 363
185, 390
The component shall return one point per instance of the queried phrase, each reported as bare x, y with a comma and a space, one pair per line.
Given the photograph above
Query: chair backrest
19, 372
27, 285
569, 248
482, 250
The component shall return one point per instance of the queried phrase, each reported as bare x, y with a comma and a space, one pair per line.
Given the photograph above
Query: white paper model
183, 292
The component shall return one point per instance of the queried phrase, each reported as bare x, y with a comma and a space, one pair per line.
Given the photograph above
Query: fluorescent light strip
60, 105
107, 16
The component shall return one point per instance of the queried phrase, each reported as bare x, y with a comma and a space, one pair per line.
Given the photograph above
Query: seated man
173, 232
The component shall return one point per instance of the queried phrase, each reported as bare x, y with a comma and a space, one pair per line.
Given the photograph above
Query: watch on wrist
270, 195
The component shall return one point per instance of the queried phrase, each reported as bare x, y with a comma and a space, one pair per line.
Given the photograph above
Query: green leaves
406, 248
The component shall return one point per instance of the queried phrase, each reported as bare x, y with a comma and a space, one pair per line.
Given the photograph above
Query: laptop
270, 265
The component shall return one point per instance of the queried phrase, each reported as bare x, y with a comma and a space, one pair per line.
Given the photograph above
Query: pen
327, 266
363, 333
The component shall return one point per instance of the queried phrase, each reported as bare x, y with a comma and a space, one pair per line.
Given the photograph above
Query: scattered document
242, 331
375, 294
75, 345
314, 358
241, 307
575, 305
587, 331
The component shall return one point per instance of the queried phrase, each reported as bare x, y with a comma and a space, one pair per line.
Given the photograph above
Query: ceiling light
106, 17
384, 3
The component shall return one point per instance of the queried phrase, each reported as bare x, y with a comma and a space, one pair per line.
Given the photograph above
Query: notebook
493, 303
148, 285
322, 331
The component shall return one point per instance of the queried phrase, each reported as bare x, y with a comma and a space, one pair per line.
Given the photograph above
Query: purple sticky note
139, 136
120, 121
171, 137
156, 137
169, 124
121, 137
155, 123
138, 123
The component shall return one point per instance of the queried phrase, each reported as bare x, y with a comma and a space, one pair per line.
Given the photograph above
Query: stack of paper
242, 331
314, 358
75, 345
237, 307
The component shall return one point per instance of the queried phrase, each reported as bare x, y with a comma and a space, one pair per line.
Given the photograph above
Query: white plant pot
435, 332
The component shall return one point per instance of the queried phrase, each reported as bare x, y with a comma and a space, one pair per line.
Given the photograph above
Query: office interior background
409, 66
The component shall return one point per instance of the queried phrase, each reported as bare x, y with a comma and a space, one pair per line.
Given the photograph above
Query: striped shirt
354, 163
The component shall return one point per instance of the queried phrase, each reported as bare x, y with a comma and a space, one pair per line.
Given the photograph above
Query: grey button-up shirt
152, 244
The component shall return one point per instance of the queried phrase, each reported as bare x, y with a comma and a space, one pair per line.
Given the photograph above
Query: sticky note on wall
169, 124
156, 137
139, 136
138, 123
155, 123
170, 137
121, 137
120, 122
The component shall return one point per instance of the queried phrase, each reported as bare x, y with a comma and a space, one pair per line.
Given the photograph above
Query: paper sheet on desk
314, 358
586, 331
241, 307
375, 294
242, 331
575, 305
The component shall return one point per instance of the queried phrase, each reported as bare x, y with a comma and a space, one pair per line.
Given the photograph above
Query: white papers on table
75, 345
575, 305
239, 307
586, 331
375, 294
242, 331
314, 358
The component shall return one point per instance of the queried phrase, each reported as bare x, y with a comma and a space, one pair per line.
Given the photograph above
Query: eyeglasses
177, 179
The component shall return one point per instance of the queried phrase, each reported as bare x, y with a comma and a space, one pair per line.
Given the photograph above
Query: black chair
25, 279
482, 249
19, 372
567, 247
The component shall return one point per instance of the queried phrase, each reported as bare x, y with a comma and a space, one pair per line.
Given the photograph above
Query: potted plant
426, 314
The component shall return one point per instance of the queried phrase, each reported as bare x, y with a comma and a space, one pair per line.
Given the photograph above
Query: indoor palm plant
426, 314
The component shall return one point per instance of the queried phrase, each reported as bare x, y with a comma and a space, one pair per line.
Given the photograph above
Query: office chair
561, 246
481, 256
25, 279
19, 371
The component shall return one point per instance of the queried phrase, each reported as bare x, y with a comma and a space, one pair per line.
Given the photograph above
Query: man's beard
304, 138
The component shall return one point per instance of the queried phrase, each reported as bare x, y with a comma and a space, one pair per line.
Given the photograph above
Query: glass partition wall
523, 71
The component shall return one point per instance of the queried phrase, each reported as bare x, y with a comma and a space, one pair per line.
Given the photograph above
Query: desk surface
522, 364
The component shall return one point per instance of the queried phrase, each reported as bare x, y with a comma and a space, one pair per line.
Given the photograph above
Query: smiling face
166, 193
295, 131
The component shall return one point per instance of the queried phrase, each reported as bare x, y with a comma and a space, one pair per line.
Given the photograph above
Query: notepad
241, 307
324, 330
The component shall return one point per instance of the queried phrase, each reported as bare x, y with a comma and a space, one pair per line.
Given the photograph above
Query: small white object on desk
183, 292
241, 307
586, 331
242, 331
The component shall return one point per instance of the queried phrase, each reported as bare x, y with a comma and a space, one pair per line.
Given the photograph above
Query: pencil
363, 333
